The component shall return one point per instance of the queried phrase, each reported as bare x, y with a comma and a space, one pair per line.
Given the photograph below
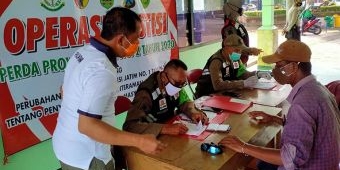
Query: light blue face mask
235, 56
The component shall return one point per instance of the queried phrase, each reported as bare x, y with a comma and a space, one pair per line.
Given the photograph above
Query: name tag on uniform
227, 74
236, 65
162, 104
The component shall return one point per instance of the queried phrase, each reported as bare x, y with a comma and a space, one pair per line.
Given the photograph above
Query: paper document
210, 115
265, 84
194, 129
235, 100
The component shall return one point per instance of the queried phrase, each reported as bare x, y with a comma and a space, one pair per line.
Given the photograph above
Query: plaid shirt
311, 134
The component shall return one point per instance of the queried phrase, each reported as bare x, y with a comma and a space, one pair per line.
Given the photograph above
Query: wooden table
266, 97
185, 154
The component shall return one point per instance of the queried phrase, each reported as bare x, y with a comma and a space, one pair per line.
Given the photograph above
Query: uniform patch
224, 65
162, 104
236, 64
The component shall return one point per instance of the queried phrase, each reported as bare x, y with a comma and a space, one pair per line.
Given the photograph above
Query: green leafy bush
259, 13
323, 11
327, 11
330, 8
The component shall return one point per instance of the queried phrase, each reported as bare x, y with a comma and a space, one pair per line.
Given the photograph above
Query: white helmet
233, 9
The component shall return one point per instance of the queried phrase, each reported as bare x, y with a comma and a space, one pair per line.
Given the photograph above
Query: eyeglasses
211, 148
282, 68
176, 84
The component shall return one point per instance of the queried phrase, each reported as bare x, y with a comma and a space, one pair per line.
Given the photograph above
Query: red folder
224, 103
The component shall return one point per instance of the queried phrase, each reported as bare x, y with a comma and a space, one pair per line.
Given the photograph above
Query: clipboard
227, 103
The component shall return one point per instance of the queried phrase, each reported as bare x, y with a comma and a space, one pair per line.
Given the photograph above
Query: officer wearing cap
224, 70
232, 10
311, 127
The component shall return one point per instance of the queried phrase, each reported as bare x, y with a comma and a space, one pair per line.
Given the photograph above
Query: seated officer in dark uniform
224, 70
156, 99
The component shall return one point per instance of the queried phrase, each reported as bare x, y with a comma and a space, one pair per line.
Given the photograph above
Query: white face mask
171, 90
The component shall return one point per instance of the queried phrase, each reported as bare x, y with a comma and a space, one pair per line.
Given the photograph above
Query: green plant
259, 13
332, 4
253, 13
280, 12
330, 8
321, 12
327, 11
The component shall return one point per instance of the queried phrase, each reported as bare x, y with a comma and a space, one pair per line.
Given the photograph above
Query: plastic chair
192, 78
122, 104
334, 88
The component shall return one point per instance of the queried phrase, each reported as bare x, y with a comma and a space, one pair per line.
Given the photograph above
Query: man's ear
118, 39
163, 76
121, 38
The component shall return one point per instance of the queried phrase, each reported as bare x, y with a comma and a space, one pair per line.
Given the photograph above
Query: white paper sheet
194, 129
265, 84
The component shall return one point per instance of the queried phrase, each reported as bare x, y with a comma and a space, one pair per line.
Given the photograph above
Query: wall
41, 156
197, 57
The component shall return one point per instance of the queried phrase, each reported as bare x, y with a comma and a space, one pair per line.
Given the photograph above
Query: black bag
293, 33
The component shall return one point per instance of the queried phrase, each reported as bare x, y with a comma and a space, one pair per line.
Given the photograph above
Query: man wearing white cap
311, 128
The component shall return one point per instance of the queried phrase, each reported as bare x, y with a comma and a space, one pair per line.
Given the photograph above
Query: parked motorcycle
313, 26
